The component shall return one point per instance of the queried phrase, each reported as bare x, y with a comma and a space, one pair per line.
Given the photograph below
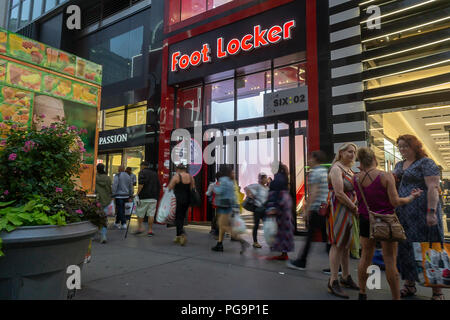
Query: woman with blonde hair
379, 190
342, 202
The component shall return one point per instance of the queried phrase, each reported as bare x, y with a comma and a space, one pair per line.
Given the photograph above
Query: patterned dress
340, 219
412, 216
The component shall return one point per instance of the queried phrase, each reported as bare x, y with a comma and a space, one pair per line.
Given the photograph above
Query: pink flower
12, 157
82, 149
52, 126
72, 128
79, 211
6, 192
44, 127
7, 118
99, 205
58, 189
3, 143
42, 116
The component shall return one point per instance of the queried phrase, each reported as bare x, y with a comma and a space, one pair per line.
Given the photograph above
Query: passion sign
258, 38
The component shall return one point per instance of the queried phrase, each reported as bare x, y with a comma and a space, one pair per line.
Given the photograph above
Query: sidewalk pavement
144, 268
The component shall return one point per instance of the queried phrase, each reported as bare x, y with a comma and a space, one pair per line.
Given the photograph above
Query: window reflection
137, 116
14, 19
190, 8
25, 16
189, 102
180, 10
50, 4
114, 118
219, 98
292, 76
37, 8
251, 90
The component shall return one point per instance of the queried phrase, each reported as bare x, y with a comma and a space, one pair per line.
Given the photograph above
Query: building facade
362, 71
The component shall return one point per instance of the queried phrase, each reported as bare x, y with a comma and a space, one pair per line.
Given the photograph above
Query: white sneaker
117, 225
124, 226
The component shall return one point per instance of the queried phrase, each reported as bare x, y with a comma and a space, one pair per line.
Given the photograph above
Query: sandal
438, 296
408, 291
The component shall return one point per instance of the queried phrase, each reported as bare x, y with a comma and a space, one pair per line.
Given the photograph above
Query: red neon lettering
184, 61
287, 29
233, 46
205, 53
195, 58
244, 43
175, 60
220, 52
273, 36
259, 37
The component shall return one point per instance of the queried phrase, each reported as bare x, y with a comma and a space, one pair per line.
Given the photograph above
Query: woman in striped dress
342, 199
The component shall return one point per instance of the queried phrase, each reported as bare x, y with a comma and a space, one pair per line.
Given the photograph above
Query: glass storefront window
189, 105
49, 4
137, 116
14, 19
114, 118
219, 98
25, 16
292, 76
115, 161
190, 8
250, 95
37, 9
133, 158
180, 10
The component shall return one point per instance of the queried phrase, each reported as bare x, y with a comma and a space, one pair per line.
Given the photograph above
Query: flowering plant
39, 170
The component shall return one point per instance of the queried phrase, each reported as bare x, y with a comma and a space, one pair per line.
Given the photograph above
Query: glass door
114, 162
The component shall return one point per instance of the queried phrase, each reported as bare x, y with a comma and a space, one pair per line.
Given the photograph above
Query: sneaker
150, 234
296, 265
177, 239
218, 247
124, 226
257, 245
117, 225
183, 240
103, 239
328, 271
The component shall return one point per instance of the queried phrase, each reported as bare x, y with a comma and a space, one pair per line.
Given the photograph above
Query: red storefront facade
194, 58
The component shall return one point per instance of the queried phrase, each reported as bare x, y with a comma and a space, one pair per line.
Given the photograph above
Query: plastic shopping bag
238, 225
110, 210
270, 230
129, 208
167, 208
436, 264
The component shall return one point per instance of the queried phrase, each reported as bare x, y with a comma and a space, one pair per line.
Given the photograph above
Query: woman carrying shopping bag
181, 183
225, 200
280, 205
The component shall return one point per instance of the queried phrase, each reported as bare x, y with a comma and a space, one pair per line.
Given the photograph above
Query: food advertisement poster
50, 89
19, 47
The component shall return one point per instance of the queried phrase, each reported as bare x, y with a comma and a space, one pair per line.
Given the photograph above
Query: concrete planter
36, 260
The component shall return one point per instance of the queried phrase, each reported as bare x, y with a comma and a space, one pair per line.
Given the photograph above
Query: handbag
167, 208
324, 209
435, 262
383, 227
195, 198
249, 204
270, 227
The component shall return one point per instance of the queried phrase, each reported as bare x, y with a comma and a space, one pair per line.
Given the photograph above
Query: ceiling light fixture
437, 123
433, 108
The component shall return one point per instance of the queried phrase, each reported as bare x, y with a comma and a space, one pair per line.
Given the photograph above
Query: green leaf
25, 216
10, 228
14, 219
6, 204
29, 205
46, 208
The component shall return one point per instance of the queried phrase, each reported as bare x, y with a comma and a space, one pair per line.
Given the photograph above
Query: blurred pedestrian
181, 183
122, 191
318, 194
381, 196
226, 202
340, 220
103, 191
132, 175
147, 197
210, 196
421, 219
280, 205
259, 192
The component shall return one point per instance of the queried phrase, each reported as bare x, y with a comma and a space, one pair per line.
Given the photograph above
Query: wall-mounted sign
122, 138
258, 38
274, 33
286, 101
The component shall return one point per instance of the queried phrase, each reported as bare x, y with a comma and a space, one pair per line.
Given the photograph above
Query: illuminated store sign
259, 38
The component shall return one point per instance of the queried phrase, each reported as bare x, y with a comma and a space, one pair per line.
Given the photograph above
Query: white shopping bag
167, 207
270, 230
238, 225
110, 210
129, 208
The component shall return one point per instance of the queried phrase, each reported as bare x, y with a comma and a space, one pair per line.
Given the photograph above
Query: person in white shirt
259, 192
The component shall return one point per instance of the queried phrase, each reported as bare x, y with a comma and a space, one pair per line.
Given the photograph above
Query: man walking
259, 192
318, 193
122, 191
147, 198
